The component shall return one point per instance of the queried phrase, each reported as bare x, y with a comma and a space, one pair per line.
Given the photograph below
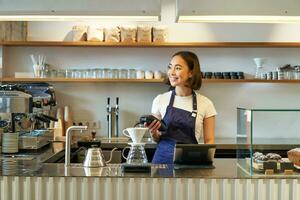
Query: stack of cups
10, 142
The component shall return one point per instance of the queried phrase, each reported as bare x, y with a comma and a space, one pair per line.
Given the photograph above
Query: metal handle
123, 153
108, 112
117, 117
108, 101
111, 155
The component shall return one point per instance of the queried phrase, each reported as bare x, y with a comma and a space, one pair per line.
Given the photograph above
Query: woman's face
178, 72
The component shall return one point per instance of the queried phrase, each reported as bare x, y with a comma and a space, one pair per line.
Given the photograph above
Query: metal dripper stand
112, 115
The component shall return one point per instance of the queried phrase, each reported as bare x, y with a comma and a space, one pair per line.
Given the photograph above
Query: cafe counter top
223, 168
33, 165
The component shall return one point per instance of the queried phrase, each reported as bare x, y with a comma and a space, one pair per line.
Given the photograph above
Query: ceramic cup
149, 74
157, 74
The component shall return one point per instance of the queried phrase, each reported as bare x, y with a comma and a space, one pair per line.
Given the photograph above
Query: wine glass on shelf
259, 62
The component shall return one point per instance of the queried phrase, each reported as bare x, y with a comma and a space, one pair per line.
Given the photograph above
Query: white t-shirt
205, 108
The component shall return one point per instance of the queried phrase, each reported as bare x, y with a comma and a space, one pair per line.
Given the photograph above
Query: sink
78, 155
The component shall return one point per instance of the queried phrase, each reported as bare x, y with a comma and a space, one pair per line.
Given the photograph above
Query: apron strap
172, 99
194, 112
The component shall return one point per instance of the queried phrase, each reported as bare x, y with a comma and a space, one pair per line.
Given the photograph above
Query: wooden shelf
73, 80
154, 44
82, 80
248, 81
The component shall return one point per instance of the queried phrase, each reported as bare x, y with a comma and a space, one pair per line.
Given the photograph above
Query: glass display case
268, 142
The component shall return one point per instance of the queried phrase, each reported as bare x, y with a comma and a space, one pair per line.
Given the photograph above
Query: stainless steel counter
32, 164
28, 161
224, 168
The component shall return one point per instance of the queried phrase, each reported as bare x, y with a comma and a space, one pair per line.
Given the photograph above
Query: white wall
1, 58
89, 100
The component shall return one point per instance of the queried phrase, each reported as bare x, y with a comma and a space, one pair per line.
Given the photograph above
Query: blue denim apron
181, 129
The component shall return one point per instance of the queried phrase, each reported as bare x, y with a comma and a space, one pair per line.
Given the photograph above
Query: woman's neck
183, 91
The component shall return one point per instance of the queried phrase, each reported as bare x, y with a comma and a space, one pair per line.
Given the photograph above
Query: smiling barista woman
186, 113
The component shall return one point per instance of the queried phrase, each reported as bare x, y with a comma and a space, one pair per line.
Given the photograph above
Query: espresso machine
25, 109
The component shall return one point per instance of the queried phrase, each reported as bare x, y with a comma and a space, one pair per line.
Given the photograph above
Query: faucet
112, 114
68, 141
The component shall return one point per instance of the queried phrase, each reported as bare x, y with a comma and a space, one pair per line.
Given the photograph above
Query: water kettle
95, 158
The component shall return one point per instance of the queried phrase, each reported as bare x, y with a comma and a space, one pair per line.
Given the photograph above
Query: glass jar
68, 73
132, 73
85, 73
107, 73
53, 73
100, 73
44, 71
93, 73
140, 74
74, 73
297, 73
288, 75
61, 73
115, 73
123, 73
78, 73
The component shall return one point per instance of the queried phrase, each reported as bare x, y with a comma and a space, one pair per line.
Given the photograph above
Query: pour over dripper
135, 133
259, 62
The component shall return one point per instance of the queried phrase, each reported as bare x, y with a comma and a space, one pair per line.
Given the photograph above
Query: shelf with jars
111, 80
81, 80
144, 45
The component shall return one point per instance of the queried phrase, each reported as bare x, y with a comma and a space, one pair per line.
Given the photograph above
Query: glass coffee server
268, 142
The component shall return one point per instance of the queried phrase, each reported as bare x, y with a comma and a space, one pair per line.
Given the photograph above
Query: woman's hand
153, 128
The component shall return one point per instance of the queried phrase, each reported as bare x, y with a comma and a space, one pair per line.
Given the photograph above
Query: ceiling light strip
76, 18
239, 19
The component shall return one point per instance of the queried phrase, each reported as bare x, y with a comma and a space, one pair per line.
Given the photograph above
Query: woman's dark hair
193, 64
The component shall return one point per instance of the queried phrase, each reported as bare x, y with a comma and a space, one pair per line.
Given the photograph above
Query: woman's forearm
209, 130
